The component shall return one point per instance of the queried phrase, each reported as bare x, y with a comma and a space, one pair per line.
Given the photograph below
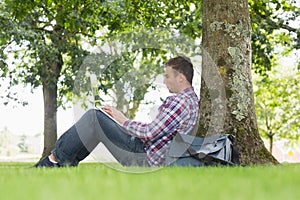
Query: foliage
38, 32
277, 104
130, 89
274, 24
43, 33
52, 26
120, 80
129, 67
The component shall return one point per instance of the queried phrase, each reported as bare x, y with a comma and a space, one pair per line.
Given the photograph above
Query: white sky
30, 119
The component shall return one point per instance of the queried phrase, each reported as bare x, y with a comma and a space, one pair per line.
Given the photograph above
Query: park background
274, 29
21, 126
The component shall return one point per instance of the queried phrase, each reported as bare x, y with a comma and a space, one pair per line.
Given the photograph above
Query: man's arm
171, 114
116, 114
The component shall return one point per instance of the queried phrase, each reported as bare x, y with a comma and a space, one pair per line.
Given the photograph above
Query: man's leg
94, 127
128, 150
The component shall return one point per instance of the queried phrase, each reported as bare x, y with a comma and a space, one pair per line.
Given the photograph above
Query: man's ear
182, 77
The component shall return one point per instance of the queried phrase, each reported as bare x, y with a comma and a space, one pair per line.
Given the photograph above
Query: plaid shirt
177, 114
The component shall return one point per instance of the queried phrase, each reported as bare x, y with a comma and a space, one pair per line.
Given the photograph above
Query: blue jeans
91, 129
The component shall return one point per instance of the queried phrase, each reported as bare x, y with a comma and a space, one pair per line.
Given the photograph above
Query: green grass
97, 181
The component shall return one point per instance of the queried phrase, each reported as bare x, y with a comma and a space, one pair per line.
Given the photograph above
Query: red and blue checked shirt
177, 114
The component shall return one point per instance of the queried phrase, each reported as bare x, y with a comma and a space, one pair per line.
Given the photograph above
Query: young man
132, 142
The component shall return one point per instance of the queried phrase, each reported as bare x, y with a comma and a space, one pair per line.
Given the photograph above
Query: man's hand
116, 114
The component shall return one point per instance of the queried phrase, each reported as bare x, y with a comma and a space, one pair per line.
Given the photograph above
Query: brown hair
182, 64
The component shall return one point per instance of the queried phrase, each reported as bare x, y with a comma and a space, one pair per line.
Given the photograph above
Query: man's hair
182, 64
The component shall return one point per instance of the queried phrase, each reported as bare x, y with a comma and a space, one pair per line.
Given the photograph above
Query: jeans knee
91, 113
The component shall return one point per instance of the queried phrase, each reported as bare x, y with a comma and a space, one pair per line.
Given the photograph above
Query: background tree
120, 80
5, 141
275, 33
277, 105
131, 88
45, 38
23, 147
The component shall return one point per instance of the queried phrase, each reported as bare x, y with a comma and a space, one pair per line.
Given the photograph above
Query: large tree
227, 100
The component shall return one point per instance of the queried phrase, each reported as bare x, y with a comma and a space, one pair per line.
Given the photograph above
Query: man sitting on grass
132, 142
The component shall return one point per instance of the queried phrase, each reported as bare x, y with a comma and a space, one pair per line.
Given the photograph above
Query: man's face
171, 79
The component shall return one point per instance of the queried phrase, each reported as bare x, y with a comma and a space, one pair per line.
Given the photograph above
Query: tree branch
291, 29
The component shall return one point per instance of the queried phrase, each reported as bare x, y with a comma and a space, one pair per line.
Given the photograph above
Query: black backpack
187, 150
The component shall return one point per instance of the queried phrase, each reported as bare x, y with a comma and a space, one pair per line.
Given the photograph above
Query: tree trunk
50, 104
227, 100
271, 143
50, 122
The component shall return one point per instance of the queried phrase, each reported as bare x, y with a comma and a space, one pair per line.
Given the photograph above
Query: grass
91, 181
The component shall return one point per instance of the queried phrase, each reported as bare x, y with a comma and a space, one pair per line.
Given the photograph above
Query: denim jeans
91, 129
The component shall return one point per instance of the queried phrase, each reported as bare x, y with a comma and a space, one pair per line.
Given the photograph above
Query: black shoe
45, 162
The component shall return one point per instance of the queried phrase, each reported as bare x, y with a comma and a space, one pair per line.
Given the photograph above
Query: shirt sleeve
168, 119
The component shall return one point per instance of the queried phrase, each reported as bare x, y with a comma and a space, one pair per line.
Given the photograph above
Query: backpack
188, 150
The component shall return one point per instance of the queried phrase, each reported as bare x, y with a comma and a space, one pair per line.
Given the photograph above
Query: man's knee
91, 113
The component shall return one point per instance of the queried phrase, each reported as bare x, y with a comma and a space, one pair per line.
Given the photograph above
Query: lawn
91, 181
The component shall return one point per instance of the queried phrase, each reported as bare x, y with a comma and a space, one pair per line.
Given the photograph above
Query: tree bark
271, 143
226, 99
50, 104
50, 122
